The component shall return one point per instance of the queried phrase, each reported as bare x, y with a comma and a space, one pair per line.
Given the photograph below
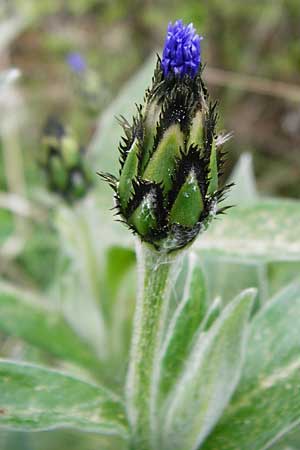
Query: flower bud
168, 189
59, 179
63, 162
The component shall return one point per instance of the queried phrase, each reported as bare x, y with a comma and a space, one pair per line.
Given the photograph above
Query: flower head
168, 189
182, 53
76, 62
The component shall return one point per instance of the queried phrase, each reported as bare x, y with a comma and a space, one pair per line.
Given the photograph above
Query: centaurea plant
210, 365
167, 193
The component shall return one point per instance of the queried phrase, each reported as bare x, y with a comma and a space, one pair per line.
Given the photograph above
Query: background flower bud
63, 162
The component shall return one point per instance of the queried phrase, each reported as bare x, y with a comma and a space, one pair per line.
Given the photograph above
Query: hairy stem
155, 274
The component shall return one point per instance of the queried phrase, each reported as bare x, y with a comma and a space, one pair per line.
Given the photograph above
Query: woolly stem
156, 271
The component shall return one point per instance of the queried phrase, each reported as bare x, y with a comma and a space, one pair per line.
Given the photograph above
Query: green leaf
104, 145
120, 327
212, 314
182, 328
34, 398
119, 261
289, 441
80, 243
6, 229
266, 404
211, 374
37, 324
280, 274
244, 189
267, 231
227, 277
59, 439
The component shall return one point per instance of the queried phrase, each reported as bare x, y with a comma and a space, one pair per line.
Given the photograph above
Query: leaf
104, 145
59, 439
280, 274
244, 189
211, 374
33, 398
267, 231
6, 225
226, 278
119, 261
178, 286
266, 404
121, 326
212, 314
42, 327
289, 441
185, 321
39, 253
79, 242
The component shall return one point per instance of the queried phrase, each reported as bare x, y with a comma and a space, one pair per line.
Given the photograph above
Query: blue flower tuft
76, 62
182, 52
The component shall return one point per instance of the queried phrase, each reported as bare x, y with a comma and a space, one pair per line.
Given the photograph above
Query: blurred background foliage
257, 39
252, 52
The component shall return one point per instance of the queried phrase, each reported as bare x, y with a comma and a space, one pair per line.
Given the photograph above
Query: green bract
168, 189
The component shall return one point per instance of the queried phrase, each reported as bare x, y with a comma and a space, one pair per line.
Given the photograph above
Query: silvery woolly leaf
244, 189
36, 323
34, 398
108, 130
188, 315
266, 404
266, 231
210, 377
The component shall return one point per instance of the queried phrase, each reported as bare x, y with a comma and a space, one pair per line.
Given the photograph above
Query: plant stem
155, 274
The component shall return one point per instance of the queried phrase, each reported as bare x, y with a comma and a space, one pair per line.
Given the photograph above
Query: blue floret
76, 62
182, 52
